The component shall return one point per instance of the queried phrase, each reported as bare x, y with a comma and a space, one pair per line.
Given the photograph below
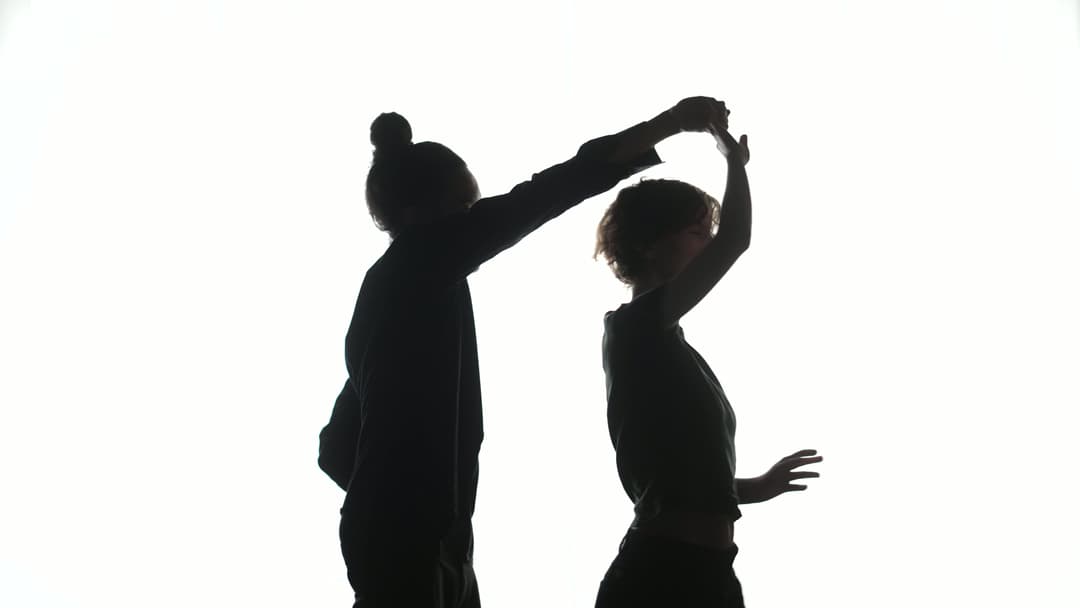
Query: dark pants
654, 572
390, 568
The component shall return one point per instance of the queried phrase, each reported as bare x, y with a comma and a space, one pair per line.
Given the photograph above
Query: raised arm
732, 238
467, 240
690, 114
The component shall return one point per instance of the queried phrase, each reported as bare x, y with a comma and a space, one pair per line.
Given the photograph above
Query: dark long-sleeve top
670, 422
404, 436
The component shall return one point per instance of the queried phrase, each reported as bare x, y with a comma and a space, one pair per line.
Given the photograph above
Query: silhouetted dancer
405, 432
670, 422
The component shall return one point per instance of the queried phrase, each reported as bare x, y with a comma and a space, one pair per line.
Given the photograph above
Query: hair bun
390, 132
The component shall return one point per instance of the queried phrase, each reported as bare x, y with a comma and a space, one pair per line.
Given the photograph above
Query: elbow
599, 149
335, 472
742, 243
330, 461
324, 464
735, 241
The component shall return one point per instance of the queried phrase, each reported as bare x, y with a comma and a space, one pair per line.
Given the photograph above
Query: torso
412, 348
672, 427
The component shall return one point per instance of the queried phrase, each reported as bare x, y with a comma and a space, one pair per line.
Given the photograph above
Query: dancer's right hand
701, 114
735, 151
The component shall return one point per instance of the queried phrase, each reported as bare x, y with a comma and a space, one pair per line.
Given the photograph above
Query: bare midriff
697, 527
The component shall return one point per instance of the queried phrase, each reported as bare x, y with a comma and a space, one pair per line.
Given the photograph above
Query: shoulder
620, 321
643, 314
417, 258
632, 327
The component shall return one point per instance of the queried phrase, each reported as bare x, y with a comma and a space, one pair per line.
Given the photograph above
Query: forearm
749, 490
735, 211
494, 224
642, 137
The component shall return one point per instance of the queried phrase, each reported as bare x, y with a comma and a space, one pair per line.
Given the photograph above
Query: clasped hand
708, 115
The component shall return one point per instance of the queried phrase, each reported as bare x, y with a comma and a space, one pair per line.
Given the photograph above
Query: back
408, 430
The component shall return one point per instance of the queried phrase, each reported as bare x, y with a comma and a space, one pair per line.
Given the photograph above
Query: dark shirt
405, 432
670, 422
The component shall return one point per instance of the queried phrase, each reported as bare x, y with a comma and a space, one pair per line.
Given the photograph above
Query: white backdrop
182, 235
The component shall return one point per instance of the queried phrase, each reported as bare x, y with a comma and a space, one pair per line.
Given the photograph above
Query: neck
646, 285
420, 215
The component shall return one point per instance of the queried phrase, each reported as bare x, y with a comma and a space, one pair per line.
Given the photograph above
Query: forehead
703, 223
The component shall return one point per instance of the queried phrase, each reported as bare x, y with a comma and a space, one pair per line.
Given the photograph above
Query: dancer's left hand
778, 479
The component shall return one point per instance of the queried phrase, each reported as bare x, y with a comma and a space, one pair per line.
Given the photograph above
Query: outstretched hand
778, 479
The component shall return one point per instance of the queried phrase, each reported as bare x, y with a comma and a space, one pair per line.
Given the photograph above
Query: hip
702, 528
652, 571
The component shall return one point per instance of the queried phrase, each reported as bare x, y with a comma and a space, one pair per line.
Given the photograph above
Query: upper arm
463, 242
731, 240
683, 292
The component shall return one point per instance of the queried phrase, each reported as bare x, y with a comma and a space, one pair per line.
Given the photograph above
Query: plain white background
183, 232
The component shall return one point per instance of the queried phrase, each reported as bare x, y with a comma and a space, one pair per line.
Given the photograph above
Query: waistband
637, 542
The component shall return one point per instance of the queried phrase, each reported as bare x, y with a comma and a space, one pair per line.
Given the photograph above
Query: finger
803, 475
795, 487
800, 453
791, 465
742, 140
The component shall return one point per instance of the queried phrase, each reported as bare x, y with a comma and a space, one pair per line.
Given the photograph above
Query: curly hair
404, 173
644, 213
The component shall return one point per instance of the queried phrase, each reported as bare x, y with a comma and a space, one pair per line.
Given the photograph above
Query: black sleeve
463, 242
338, 439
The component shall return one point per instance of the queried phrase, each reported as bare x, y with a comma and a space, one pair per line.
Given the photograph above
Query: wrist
749, 489
735, 161
668, 123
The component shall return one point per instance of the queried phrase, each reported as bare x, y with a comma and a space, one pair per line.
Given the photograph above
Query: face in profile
670, 255
461, 193
471, 189
457, 193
